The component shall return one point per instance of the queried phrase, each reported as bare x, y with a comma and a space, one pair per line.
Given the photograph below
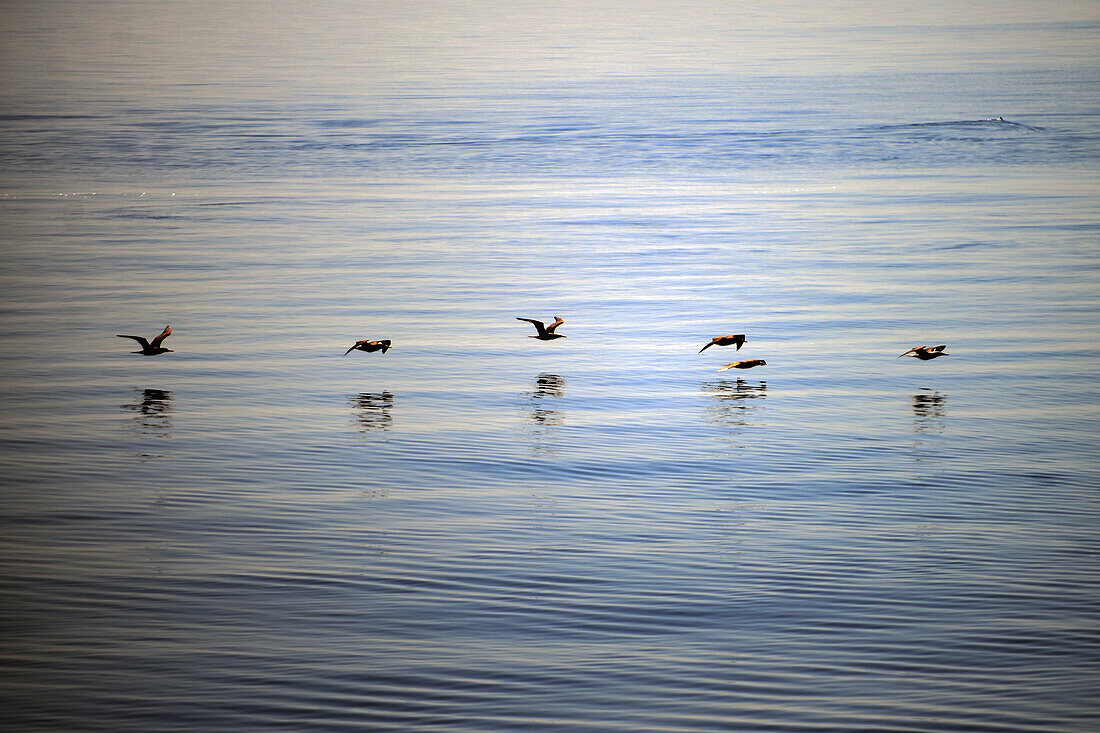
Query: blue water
480, 531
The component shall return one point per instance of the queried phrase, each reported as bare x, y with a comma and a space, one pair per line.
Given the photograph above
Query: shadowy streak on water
547, 386
929, 410
153, 412
732, 403
371, 410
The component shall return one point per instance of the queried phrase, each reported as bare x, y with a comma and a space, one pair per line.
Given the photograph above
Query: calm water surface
479, 531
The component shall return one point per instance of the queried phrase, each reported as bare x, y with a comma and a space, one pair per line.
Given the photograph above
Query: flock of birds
548, 333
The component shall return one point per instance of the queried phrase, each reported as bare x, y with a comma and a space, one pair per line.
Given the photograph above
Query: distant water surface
481, 531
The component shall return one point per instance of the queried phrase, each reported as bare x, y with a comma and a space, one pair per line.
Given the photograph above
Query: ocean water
479, 531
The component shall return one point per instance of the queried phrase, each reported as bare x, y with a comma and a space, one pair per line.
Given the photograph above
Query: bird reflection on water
734, 402
152, 410
371, 410
547, 387
929, 409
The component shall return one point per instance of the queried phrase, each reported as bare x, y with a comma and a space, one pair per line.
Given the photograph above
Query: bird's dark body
152, 348
545, 333
382, 345
747, 364
737, 338
925, 353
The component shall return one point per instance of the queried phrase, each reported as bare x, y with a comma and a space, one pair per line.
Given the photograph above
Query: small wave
986, 123
349, 123
140, 215
33, 117
966, 245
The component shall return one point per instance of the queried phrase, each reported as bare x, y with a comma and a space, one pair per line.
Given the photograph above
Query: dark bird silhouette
147, 348
747, 364
370, 346
545, 333
738, 339
924, 353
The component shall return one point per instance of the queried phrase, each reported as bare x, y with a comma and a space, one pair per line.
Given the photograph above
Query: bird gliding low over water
545, 333
738, 339
369, 346
924, 353
153, 348
747, 364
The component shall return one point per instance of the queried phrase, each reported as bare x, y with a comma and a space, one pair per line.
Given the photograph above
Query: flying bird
545, 333
370, 346
924, 353
147, 348
738, 339
747, 364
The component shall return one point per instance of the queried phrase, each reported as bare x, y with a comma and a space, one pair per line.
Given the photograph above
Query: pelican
747, 364
545, 333
369, 346
924, 353
147, 348
738, 339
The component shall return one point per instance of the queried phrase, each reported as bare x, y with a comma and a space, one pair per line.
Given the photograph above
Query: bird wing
710, 343
163, 335
558, 320
731, 365
355, 346
739, 339
914, 350
539, 326
140, 339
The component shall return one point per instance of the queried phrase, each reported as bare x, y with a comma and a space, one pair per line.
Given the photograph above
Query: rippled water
481, 531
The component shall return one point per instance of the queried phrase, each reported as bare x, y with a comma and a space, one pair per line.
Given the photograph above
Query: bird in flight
747, 364
545, 333
738, 339
924, 353
153, 348
369, 346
